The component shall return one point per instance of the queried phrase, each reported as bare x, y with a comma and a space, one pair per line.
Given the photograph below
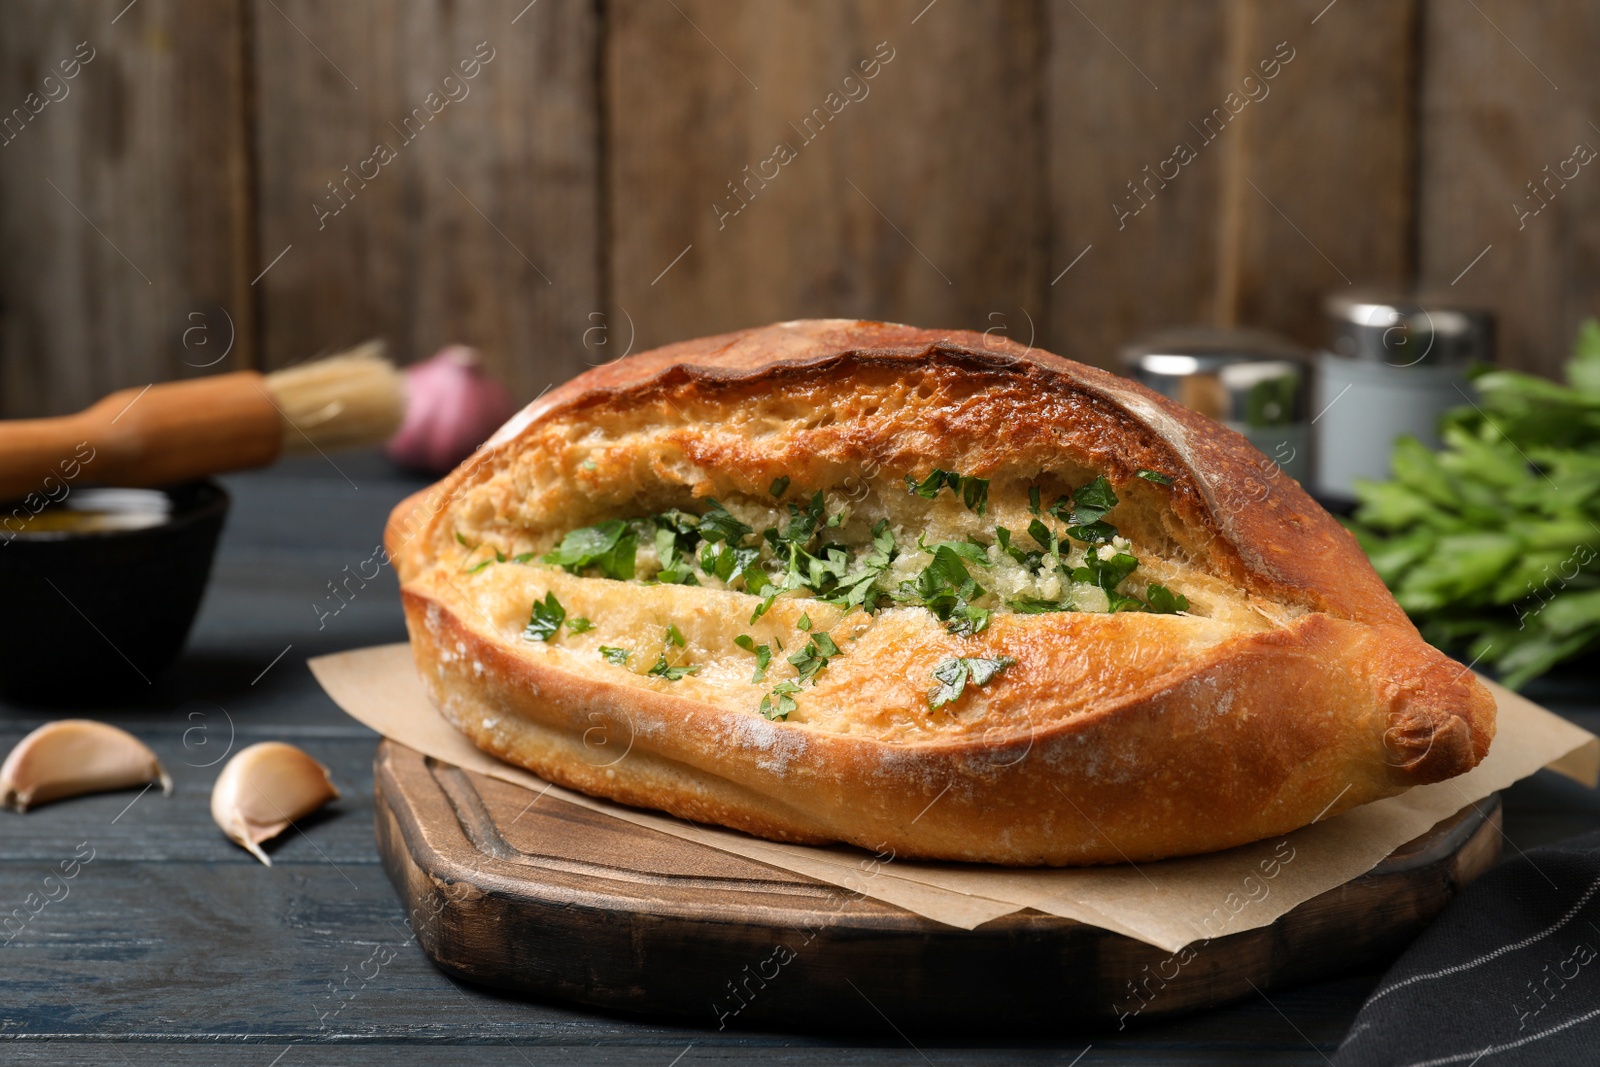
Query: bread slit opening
942, 543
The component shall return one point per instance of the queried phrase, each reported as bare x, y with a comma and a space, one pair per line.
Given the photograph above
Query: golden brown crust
1115, 737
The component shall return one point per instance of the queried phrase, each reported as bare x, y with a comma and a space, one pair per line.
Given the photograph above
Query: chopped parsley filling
1071, 557
800, 555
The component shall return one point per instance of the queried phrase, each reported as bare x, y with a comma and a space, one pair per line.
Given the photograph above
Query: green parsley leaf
522, 557
718, 524
970, 551
1033, 499
579, 625
802, 525
674, 635
663, 669
1164, 601
780, 708
1031, 560
967, 620
610, 547
1108, 574
1154, 476
666, 546
780, 485
676, 533
684, 527
804, 622
546, 619
763, 654
1029, 605
1091, 502
476, 567
1046, 539
677, 574
1094, 533
462, 541
929, 487
724, 560
763, 607
975, 494
984, 670
855, 588
953, 675
947, 590
811, 660
612, 654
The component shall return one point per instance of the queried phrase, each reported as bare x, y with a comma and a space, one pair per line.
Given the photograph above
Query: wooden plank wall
1510, 91
125, 226
481, 225
916, 194
625, 172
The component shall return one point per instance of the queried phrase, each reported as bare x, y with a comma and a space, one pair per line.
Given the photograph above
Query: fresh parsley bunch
1492, 545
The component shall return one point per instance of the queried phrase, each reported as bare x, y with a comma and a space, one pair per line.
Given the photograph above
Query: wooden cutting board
561, 903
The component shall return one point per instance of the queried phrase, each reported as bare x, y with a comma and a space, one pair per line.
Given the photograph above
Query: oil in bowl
99, 589
91, 511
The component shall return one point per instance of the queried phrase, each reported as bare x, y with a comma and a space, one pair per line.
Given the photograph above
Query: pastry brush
178, 431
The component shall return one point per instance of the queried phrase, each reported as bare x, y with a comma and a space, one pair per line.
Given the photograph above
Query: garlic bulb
75, 756
264, 789
452, 406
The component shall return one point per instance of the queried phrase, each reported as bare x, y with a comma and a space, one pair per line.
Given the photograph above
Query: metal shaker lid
1406, 330
1249, 378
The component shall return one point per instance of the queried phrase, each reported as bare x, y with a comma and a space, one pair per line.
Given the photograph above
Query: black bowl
92, 614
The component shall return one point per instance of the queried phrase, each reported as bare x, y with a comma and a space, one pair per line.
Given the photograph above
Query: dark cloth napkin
1508, 974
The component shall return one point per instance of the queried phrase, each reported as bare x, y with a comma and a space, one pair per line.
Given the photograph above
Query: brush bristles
352, 398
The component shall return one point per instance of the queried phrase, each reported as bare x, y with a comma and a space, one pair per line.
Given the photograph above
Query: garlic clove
264, 789
452, 406
71, 757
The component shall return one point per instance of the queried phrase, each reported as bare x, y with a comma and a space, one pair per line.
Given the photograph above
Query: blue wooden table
174, 946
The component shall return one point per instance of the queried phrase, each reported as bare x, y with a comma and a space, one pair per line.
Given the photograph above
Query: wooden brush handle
161, 435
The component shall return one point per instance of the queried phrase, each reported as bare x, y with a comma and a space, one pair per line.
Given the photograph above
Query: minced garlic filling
790, 583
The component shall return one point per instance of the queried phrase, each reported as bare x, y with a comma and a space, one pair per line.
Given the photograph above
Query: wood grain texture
124, 204
481, 228
1322, 178
548, 899
1487, 136
915, 195
1123, 85
542, 217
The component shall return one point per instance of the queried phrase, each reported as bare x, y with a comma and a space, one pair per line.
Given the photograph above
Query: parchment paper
1168, 904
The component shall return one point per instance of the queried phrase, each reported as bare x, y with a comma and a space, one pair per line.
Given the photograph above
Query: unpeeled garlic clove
265, 788
71, 757
452, 405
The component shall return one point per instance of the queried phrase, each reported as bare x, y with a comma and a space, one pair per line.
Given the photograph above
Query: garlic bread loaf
922, 591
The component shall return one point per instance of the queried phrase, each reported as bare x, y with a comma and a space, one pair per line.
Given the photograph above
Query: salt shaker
1394, 366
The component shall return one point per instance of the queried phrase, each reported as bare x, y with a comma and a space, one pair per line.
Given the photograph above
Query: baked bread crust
1116, 737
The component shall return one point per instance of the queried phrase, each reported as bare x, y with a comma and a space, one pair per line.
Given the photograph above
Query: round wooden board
562, 903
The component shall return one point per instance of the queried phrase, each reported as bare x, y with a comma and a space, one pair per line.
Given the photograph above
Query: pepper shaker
1249, 380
